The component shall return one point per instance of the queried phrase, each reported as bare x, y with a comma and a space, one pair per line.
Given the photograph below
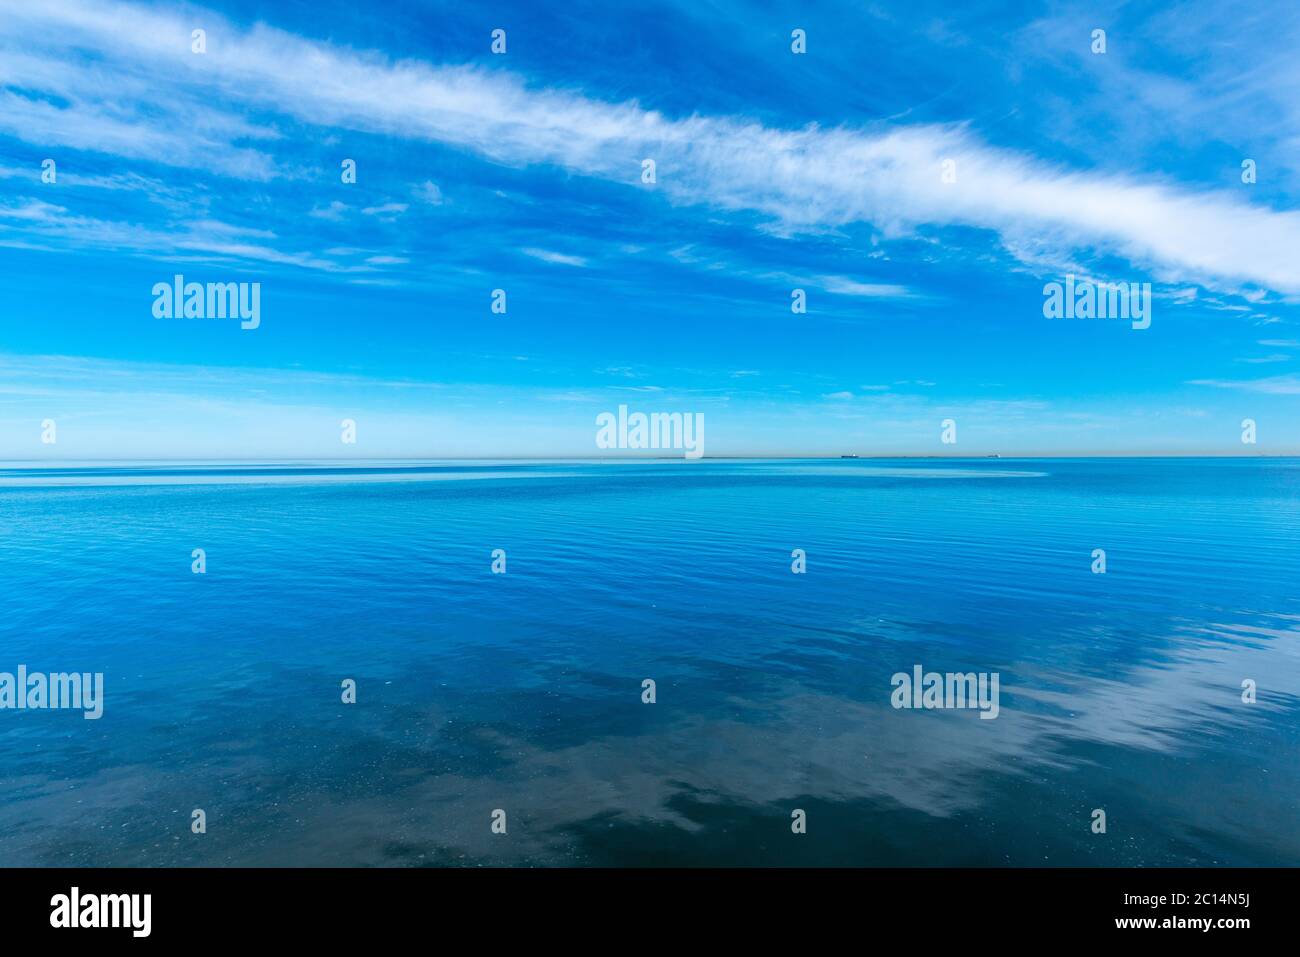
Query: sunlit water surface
523, 691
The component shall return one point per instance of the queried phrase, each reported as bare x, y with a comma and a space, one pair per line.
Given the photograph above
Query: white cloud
183, 142
216, 240
546, 255
1273, 385
801, 179
386, 210
843, 286
428, 192
333, 212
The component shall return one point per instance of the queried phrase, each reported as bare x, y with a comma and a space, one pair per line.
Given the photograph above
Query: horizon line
655, 458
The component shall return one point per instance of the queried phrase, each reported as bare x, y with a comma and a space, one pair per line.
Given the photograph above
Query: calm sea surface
523, 691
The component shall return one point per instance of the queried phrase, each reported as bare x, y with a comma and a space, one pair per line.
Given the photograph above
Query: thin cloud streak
809, 179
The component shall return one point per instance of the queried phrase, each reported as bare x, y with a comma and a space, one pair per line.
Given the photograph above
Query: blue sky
522, 171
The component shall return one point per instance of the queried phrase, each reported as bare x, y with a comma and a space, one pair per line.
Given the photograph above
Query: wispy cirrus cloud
549, 256
795, 179
1272, 385
386, 210
47, 225
843, 286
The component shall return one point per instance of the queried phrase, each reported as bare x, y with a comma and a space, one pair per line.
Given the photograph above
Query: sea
654, 663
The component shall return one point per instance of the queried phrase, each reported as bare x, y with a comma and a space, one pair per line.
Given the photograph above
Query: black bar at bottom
332, 907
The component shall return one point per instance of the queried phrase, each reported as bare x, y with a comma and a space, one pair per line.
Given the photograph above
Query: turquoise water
523, 691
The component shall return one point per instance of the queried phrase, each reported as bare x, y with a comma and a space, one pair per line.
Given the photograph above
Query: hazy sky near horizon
822, 171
